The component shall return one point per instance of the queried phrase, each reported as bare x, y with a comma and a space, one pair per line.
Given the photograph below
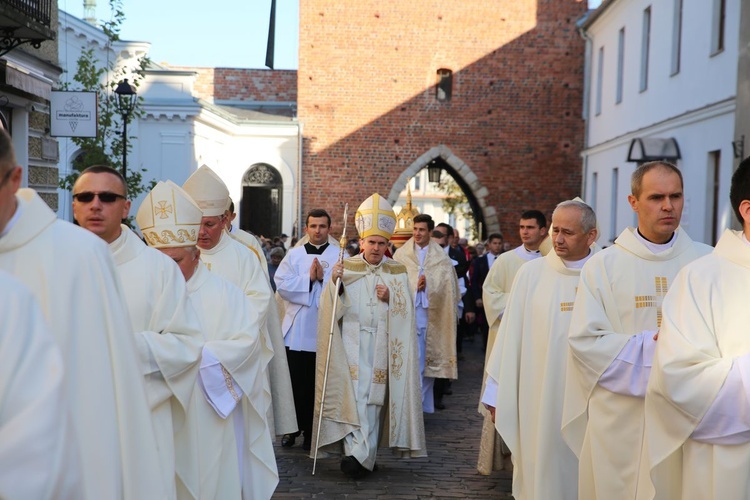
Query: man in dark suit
479, 269
453, 250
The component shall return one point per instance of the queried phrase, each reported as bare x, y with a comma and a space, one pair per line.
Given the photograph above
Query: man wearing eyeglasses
167, 332
71, 274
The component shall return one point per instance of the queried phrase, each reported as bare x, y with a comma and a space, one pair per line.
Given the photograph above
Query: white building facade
661, 81
179, 132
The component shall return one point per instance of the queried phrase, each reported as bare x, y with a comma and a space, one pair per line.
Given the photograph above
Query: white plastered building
253, 146
661, 81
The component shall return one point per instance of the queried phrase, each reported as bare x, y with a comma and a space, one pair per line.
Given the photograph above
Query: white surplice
619, 298
72, 275
235, 262
528, 364
167, 333
38, 456
697, 404
226, 427
301, 298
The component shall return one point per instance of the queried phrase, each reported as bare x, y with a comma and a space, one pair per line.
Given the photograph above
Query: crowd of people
164, 363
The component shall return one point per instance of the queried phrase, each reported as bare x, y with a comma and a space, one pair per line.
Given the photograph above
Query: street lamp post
126, 96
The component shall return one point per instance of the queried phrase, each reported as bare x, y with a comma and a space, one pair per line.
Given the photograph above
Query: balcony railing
37, 10
25, 21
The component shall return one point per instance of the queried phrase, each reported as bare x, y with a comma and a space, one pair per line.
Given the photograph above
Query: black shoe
287, 440
439, 405
352, 468
307, 443
448, 392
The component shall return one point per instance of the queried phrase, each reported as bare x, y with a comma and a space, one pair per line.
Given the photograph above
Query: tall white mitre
375, 217
208, 191
169, 217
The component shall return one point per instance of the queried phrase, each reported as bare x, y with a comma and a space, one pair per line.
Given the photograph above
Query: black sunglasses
104, 197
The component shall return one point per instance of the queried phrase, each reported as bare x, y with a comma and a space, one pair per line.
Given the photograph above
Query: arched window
444, 87
261, 204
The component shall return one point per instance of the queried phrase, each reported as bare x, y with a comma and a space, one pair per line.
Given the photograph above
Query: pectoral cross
372, 304
660, 283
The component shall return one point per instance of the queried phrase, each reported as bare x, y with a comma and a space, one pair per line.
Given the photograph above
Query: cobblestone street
448, 472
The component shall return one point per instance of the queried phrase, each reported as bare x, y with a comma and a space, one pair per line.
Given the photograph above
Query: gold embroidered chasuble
395, 384
207, 458
529, 368
619, 296
706, 318
234, 262
52, 257
443, 298
167, 333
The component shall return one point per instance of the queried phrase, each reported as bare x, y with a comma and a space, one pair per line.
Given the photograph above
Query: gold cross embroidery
660, 285
162, 209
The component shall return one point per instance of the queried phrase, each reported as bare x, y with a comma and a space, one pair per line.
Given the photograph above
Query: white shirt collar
577, 264
656, 248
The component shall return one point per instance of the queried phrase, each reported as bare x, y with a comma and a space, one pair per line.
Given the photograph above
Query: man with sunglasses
71, 274
166, 329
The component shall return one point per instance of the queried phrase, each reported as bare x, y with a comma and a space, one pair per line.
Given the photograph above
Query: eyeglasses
104, 197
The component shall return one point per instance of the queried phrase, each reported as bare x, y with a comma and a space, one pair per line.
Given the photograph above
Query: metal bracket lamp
126, 98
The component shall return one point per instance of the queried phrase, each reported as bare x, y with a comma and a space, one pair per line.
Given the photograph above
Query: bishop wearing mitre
372, 396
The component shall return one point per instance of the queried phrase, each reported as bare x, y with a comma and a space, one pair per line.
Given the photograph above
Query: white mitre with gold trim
169, 217
208, 191
375, 217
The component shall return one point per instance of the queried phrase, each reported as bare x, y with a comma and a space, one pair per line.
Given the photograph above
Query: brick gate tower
490, 91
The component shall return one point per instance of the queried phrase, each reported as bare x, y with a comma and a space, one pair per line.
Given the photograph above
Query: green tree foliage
102, 77
455, 202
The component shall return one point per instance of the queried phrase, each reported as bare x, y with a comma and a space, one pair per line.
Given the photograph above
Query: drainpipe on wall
586, 99
300, 146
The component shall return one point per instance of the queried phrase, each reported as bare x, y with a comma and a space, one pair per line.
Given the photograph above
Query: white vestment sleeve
628, 374
727, 421
219, 388
294, 287
490, 392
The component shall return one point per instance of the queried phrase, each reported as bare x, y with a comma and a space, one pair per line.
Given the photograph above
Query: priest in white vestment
532, 229
236, 263
224, 450
372, 395
72, 276
617, 312
166, 329
698, 397
300, 280
526, 370
39, 457
434, 288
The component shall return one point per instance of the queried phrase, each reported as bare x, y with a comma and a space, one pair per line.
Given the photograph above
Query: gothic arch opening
261, 203
484, 217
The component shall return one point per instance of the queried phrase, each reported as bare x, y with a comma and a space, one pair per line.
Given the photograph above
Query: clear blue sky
218, 33
214, 33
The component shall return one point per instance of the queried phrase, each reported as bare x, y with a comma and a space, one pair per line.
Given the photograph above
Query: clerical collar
12, 221
534, 252
656, 248
316, 249
577, 264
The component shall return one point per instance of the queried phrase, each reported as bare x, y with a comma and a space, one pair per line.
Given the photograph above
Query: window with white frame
718, 26
599, 82
676, 37
645, 47
614, 200
620, 64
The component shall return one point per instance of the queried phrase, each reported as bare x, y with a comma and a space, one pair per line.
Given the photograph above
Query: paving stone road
449, 471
